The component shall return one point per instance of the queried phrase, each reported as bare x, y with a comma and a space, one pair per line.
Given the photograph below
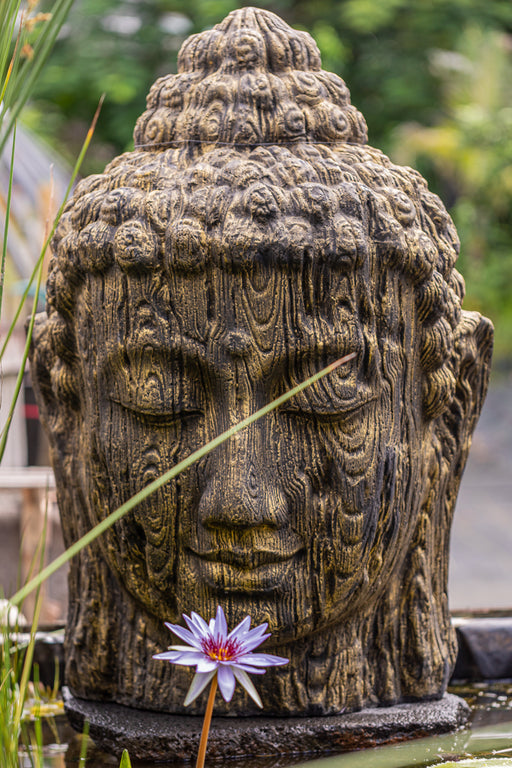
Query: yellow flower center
220, 649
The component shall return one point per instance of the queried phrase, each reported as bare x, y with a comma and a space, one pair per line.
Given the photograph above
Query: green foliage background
432, 77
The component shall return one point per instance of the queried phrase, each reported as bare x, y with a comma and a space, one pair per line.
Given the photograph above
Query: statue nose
242, 492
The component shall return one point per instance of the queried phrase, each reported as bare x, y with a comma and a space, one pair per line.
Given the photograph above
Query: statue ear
451, 441
54, 387
427, 638
472, 365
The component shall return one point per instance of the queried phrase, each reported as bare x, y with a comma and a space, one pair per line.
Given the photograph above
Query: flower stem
206, 724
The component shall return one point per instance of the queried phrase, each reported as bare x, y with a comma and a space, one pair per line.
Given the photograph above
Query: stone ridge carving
249, 239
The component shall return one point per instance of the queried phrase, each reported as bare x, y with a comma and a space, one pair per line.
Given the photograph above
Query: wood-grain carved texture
251, 238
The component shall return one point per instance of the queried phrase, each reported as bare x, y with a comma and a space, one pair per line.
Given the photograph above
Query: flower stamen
220, 648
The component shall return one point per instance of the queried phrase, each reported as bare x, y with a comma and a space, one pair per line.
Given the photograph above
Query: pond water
488, 737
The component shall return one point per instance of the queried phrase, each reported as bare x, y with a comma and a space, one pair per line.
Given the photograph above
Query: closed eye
156, 417
328, 412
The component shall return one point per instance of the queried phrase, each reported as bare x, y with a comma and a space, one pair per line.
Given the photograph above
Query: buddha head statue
251, 238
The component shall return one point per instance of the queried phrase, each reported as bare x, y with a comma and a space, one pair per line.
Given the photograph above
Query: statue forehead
269, 311
158, 341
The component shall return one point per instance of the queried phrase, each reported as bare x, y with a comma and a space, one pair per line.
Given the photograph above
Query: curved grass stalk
14, 686
47, 242
38, 271
10, 9
21, 76
19, 379
7, 215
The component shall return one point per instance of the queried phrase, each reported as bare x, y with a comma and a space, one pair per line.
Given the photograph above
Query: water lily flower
216, 653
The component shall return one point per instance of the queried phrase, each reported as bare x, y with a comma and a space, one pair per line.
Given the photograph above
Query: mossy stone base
158, 736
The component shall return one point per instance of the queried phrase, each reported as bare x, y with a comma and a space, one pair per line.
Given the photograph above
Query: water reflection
490, 742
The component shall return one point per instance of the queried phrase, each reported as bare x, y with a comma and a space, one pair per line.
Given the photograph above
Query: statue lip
245, 571
247, 559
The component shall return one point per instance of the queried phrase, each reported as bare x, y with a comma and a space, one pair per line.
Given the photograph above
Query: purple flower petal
196, 624
254, 636
184, 634
221, 627
198, 685
205, 664
258, 631
181, 648
169, 655
204, 639
240, 629
245, 682
250, 643
248, 668
262, 660
186, 659
166, 655
226, 681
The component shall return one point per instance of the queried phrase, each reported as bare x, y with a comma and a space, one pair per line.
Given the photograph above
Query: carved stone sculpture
251, 238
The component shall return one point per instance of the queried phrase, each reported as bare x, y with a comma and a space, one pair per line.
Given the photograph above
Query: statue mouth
247, 559
245, 570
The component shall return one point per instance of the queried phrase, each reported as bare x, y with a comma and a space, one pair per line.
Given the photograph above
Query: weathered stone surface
151, 735
251, 238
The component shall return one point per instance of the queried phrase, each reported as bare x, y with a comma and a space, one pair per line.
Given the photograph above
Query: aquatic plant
220, 657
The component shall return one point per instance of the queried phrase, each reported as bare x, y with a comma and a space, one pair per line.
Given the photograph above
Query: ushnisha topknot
249, 80
252, 154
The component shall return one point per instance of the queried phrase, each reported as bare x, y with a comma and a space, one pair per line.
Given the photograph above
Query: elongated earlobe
427, 639
472, 364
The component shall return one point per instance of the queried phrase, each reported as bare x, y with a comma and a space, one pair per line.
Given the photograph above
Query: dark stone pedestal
485, 648
157, 736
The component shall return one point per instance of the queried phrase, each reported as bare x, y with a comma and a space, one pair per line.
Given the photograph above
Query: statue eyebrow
319, 351
132, 352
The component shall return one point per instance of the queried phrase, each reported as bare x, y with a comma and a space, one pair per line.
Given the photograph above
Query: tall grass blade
14, 65
22, 82
7, 216
16, 664
21, 373
7, 26
125, 760
84, 745
9, 10
36, 742
38, 271
109, 521
72, 180
29, 653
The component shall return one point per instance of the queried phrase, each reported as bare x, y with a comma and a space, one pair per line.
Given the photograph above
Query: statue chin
250, 239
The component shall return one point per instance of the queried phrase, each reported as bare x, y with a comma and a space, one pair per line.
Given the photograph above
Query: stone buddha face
295, 519
251, 239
